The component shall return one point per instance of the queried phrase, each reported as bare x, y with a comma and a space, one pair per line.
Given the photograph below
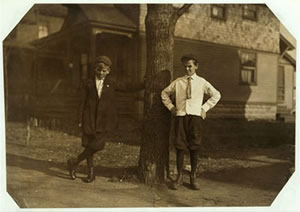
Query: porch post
92, 54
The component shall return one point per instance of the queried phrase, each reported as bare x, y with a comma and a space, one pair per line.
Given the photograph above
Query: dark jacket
99, 115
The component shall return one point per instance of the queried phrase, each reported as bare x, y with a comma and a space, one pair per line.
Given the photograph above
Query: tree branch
182, 10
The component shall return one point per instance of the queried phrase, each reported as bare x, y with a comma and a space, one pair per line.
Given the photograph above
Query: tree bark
154, 152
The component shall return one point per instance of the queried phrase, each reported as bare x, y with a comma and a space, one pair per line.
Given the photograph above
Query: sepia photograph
138, 106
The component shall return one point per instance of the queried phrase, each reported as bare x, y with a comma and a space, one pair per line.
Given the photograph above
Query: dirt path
37, 176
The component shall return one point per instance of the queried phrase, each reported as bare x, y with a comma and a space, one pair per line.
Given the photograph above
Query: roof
287, 36
290, 56
100, 14
18, 44
55, 10
287, 40
106, 14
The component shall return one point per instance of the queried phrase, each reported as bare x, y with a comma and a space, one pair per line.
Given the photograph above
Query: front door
117, 48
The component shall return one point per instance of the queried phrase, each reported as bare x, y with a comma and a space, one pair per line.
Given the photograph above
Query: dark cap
188, 57
103, 59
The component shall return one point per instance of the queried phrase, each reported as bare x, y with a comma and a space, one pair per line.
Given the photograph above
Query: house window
281, 85
250, 12
42, 30
218, 11
248, 68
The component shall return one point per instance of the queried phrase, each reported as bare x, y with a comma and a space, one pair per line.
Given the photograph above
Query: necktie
99, 88
189, 88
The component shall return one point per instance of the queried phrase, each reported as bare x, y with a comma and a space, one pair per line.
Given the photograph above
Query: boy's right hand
174, 111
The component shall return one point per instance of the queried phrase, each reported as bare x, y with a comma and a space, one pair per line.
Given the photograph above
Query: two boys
189, 111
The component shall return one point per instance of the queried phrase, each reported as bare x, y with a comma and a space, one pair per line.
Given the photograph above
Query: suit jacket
99, 115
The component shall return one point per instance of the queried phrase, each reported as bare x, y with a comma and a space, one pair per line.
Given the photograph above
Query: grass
123, 152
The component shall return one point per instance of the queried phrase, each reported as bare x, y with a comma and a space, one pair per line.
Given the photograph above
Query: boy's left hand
203, 114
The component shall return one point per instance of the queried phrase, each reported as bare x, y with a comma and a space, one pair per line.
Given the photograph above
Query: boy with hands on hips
189, 112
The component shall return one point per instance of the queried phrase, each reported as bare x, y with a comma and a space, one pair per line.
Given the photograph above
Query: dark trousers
188, 132
188, 135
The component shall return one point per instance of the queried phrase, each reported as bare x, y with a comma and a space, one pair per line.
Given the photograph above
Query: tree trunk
154, 152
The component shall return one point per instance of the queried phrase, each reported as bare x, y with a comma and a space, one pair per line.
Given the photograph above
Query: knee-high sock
87, 154
194, 159
90, 160
179, 160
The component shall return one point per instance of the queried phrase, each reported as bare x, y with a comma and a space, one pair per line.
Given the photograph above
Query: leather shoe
194, 184
178, 182
91, 176
72, 169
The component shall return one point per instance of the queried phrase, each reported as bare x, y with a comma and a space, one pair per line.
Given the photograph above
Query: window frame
218, 6
44, 25
254, 9
245, 67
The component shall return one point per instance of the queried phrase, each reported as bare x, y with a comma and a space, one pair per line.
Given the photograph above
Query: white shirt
194, 105
99, 86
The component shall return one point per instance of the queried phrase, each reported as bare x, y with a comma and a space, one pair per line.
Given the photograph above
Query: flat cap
104, 59
189, 57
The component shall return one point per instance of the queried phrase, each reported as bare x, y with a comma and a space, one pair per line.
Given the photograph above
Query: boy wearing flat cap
189, 112
98, 113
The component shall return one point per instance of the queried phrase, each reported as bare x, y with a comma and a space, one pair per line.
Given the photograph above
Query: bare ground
37, 176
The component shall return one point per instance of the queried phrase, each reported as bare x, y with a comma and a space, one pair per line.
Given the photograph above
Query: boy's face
190, 67
101, 70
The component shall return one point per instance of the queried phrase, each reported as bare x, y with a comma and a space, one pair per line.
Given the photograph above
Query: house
286, 87
239, 46
19, 54
239, 51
